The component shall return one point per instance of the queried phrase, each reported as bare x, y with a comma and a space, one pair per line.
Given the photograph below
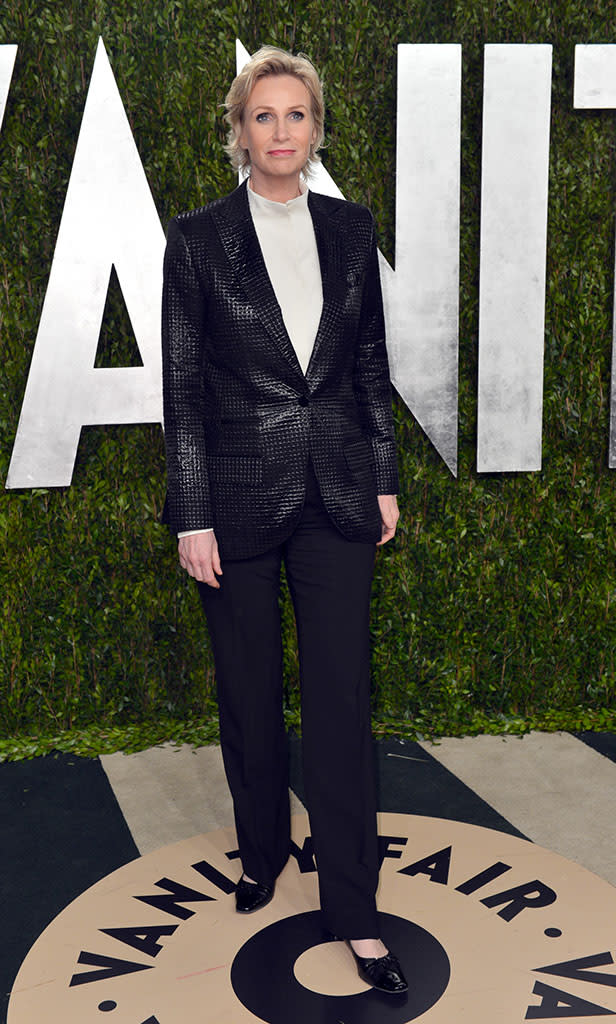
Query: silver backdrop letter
514, 194
8, 52
109, 218
421, 297
595, 89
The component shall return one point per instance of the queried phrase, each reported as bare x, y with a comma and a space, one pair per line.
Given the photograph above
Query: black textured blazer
241, 418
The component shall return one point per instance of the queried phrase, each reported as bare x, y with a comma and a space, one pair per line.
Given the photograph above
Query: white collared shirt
286, 236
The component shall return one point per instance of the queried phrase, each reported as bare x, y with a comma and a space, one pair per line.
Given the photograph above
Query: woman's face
278, 129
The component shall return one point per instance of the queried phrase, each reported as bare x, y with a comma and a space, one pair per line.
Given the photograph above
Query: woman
280, 448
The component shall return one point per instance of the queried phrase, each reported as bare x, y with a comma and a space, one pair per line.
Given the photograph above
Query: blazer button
304, 400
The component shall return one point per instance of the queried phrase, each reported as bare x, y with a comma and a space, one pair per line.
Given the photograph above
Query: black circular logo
530, 936
263, 978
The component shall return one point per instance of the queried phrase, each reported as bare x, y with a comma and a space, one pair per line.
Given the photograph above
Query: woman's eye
263, 116
297, 115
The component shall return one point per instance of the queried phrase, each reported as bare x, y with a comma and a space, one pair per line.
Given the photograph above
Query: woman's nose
281, 130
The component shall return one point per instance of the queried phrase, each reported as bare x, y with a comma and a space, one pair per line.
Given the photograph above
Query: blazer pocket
235, 469
359, 457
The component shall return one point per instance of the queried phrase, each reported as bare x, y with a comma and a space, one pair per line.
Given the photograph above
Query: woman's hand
388, 504
199, 556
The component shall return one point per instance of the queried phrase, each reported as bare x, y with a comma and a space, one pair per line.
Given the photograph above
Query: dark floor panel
603, 742
62, 830
411, 781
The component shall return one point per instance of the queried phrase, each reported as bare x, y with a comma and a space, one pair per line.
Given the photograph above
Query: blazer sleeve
371, 379
184, 308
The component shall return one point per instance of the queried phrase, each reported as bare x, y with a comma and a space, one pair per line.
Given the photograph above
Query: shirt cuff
191, 533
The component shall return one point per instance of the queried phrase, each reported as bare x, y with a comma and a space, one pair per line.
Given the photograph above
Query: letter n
109, 219
595, 89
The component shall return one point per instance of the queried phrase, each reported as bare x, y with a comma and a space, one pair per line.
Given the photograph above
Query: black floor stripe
411, 781
603, 742
62, 830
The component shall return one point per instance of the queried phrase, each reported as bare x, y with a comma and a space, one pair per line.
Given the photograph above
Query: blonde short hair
270, 60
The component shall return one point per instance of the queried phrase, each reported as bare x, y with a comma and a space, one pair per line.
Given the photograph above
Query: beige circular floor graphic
489, 929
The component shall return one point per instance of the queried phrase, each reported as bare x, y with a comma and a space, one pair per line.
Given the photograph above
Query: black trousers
329, 579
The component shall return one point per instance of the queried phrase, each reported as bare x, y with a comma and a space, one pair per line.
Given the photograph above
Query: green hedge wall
493, 608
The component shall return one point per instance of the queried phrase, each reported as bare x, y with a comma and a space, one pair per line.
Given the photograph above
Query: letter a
556, 1003
109, 219
436, 866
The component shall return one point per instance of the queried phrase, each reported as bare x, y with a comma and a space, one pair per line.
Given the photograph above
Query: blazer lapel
241, 246
332, 258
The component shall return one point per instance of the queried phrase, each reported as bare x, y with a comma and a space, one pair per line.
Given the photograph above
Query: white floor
169, 793
555, 789
558, 791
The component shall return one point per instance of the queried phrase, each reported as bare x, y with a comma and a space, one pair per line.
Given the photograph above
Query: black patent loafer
383, 973
251, 896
